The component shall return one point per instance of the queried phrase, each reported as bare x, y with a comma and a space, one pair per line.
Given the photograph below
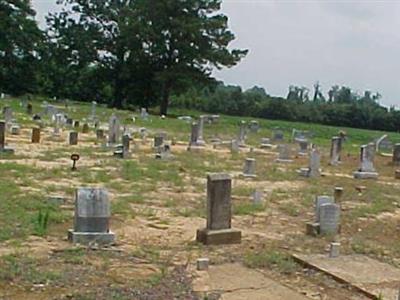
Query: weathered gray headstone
195, 141
158, 141
336, 149
144, 114
3, 148
334, 250
15, 129
303, 144
254, 126
73, 138
242, 133
92, 217
218, 229
313, 169
234, 146
329, 218
319, 200
113, 130
284, 154
277, 135
8, 114
249, 169
266, 143
396, 154
366, 170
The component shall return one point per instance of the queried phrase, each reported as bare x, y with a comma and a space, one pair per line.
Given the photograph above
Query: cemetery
199, 150
119, 204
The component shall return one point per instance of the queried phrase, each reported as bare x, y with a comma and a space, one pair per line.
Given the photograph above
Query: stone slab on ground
369, 276
236, 282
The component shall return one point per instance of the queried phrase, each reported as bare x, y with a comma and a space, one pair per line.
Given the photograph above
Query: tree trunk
165, 98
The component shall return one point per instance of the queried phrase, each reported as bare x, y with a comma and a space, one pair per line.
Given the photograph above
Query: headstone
73, 138
334, 250
114, 130
257, 197
76, 124
92, 217
396, 155
303, 144
126, 145
15, 129
202, 264
329, 218
8, 114
56, 200
100, 134
200, 138
338, 193
313, 169
218, 229
195, 141
85, 128
163, 152
3, 148
254, 126
366, 170
144, 114
242, 134
277, 135
35, 135
234, 146
336, 149
284, 154
319, 200
266, 143
158, 141
69, 121
249, 169
93, 112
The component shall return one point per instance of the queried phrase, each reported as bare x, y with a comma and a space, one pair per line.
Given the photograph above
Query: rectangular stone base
218, 237
196, 147
7, 150
85, 238
283, 161
305, 172
365, 175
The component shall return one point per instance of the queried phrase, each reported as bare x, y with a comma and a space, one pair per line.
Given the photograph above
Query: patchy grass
271, 259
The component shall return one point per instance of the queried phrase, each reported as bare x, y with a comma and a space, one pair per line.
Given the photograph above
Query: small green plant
42, 222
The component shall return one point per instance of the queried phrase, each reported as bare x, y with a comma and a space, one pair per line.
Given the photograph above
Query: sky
299, 42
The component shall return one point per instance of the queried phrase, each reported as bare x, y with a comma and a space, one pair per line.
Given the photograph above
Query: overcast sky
354, 43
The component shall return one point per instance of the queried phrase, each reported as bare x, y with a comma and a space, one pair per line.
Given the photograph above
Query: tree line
156, 53
341, 106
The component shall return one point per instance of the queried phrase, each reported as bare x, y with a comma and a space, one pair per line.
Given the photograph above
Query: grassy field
157, 205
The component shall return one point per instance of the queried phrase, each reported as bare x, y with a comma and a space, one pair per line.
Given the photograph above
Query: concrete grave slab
369, 276
228, 279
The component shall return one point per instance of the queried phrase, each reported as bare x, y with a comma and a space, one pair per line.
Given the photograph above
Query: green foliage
344, 107
136, 52
19, 39
42, 222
